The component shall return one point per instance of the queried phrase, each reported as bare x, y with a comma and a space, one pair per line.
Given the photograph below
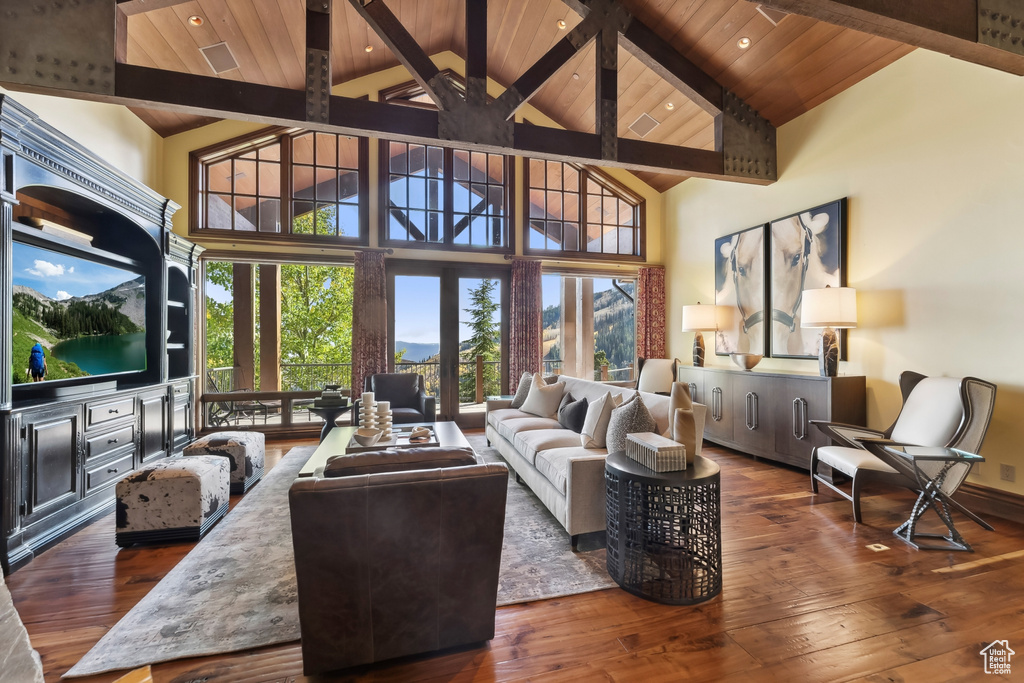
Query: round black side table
664, 530
329, 415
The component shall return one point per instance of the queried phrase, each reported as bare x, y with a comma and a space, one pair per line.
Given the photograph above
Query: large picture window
283, 182
579, 211
433, 195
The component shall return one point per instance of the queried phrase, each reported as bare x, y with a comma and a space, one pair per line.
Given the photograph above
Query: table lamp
831, 307
699, 318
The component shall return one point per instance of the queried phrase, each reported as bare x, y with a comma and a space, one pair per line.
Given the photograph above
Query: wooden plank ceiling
788, 69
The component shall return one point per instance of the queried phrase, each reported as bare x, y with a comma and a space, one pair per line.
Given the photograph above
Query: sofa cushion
495, 417
595, 426
632, 417
522, 390
553, 464
531, 442
398, 460
509, 428
543, 399
573, 414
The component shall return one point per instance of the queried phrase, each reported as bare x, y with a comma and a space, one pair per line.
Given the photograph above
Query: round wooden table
664, 530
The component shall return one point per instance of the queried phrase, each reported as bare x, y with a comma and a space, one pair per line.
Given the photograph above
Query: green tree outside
483, 342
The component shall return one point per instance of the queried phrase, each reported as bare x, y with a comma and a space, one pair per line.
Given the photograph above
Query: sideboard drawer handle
112, 470
751, 406
113, 410
111, 440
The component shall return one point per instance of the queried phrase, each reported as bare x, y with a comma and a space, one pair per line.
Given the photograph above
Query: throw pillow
573, 415
566, 400
679, 398
595, 425
631, 417
543, 399
521, 392
684, 431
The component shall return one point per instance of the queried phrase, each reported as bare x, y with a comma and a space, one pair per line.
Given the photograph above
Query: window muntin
575, 210
434, 195
290, 182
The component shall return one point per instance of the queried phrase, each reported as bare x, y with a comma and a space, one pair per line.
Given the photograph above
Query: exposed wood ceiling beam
476, 53
405, 48
606, 87
986, 32
318, 60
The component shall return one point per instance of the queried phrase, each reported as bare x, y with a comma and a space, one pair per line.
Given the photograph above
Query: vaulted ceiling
793, 62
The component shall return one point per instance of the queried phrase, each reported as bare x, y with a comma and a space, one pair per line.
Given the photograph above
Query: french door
449, 323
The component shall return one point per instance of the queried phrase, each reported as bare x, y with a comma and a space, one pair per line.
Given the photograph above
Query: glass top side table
939, 472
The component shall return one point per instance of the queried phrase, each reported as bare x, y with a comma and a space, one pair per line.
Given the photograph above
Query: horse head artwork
740, 289
800, 247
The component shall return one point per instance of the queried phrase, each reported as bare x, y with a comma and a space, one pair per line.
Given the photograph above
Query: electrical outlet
1008, 473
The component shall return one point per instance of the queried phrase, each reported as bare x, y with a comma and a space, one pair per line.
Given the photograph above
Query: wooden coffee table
448, 436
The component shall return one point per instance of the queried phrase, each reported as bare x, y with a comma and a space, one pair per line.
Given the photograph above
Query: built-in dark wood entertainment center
67, 442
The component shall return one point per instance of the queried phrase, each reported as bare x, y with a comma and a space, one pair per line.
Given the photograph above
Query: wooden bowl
746, 360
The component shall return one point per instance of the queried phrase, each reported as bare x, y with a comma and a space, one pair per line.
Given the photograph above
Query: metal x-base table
909, 460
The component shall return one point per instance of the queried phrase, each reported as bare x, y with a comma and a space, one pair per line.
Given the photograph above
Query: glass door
448, 323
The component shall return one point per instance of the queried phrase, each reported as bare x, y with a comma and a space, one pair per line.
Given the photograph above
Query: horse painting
805, 253
740, 292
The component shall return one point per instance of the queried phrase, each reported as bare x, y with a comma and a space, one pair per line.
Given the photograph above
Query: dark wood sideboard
66, 443
768, 414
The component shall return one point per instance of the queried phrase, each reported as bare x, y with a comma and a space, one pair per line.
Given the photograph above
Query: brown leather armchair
393, 563
407, 394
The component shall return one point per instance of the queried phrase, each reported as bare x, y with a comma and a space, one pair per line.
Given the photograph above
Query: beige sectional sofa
568, 478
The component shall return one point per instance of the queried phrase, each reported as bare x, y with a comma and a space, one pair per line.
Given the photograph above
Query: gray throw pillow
522, 391
572, 415
632, 417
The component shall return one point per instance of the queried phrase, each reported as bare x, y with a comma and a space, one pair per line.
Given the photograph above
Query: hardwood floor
804, 599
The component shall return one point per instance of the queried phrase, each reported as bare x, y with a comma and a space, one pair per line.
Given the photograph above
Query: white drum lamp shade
831, 307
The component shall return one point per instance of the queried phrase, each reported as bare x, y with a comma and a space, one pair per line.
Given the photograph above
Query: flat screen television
88, 316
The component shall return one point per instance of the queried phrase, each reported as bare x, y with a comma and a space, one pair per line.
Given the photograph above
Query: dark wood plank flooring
804, 599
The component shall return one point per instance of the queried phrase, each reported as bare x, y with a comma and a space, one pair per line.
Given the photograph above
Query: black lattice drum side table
664, 530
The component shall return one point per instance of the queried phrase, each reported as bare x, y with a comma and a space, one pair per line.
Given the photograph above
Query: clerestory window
309, 185
578, 211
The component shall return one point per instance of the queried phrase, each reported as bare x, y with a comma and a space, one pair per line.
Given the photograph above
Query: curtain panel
650, 312
525, 321
369, 319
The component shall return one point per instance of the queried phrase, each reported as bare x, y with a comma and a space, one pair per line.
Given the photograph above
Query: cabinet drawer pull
111, 440
751, 416
113, 410
111, 470
800, 418
716, 404
693, 391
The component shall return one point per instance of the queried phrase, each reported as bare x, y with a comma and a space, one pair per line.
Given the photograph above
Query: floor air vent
643, 125
219, 57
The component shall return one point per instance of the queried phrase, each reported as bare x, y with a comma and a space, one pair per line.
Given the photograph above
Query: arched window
283, 182
576, 210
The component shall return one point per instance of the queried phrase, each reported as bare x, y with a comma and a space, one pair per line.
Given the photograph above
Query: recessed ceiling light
743, 43
561, 24
669, 106
575, 77
195, 20
368, 48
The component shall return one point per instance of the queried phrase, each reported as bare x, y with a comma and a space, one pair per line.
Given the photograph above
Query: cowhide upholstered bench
245, 450
174, 499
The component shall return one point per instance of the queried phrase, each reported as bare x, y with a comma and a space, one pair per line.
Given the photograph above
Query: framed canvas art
806, 251
740, 292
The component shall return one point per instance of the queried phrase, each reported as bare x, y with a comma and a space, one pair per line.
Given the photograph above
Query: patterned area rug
236, 590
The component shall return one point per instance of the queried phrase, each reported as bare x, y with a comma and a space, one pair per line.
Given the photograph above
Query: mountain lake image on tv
89, 318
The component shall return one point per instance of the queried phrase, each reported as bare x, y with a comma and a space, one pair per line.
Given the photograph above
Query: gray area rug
236, 590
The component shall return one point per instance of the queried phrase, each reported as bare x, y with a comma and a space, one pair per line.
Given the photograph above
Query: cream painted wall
929, 152
178, 147
110, 131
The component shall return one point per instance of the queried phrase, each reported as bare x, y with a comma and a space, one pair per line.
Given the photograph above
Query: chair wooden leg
575, 540
855, 495
814, 470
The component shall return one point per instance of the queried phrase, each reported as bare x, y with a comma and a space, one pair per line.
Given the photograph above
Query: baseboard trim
984, 500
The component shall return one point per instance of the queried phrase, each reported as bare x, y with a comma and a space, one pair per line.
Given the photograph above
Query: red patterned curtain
369, 319
650, 312
525, 316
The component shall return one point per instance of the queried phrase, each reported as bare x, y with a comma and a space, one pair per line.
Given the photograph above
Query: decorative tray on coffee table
399, 439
